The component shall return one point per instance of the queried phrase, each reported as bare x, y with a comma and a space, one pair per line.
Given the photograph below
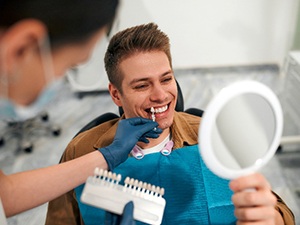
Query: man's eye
166, 80
141, 86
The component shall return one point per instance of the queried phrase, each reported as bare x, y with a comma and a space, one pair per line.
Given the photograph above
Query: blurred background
213, 43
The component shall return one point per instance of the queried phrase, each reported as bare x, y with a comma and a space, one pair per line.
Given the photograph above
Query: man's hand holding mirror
239, 133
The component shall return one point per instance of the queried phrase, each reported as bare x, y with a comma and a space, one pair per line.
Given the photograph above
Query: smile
161, 109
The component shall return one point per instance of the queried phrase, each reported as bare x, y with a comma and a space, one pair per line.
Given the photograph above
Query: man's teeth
159, 110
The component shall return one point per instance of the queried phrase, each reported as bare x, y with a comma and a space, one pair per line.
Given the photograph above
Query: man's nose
159, 93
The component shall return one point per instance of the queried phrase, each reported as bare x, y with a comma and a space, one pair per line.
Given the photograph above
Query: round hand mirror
241, 129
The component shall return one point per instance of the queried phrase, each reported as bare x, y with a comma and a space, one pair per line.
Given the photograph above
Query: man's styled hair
142, 38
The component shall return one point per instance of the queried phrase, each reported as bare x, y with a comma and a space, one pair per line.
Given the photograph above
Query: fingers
143, 139
145, 126
253, 200
140, 120
111, 219
136, 121
128, 209
153, 133
127, 218
258, 213
255, 223
253, 181
261, 195
150, 134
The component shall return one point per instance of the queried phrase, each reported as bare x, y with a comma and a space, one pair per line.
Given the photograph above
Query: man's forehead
152, 76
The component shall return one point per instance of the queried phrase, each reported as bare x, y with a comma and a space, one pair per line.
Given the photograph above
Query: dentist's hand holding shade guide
104, 191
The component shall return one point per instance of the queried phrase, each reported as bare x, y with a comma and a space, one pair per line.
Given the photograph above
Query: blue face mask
7, 110
12, 112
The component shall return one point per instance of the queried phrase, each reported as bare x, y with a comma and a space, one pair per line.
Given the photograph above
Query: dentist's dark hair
67, 21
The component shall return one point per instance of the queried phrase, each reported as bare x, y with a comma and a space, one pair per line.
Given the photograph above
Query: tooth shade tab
152, 114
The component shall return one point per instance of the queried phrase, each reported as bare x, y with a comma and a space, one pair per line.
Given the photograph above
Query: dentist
39, 41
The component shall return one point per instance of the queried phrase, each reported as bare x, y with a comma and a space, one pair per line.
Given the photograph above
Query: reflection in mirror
243, 131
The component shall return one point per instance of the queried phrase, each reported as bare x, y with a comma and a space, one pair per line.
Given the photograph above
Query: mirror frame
209, 118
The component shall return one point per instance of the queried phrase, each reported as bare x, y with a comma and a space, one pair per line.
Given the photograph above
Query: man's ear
19, 40
115, 94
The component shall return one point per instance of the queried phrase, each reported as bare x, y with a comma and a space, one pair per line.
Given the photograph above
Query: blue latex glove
129, 132
125, 219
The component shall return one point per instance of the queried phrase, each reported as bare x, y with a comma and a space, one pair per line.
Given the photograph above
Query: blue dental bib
193, 194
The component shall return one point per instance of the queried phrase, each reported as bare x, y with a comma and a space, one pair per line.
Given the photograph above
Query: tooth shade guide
153, 117
104, 191
152, 114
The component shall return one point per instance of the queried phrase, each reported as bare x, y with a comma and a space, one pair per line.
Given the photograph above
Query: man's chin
164, 124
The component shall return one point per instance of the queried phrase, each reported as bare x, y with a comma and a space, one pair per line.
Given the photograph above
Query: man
139, 67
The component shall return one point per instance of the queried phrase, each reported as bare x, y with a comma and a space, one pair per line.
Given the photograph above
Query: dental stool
26, 131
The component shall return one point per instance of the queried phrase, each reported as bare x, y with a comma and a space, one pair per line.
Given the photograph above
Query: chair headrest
180, 103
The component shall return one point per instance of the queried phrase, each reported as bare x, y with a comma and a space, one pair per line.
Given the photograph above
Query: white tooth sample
153, 116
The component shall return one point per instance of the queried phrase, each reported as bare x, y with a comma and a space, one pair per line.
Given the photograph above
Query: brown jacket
64, 210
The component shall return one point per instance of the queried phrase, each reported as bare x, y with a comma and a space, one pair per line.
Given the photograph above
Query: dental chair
109, 116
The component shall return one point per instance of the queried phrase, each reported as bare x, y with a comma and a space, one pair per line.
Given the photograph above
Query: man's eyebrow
147, 78
138, 80
167, 73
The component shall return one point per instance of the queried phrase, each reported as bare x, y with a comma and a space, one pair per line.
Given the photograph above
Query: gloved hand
129, 132
125, 219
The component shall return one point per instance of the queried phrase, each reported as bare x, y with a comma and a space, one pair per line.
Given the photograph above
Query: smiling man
139, 68
147, 81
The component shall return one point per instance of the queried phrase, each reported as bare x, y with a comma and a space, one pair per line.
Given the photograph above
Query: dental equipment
104, 191
152, 116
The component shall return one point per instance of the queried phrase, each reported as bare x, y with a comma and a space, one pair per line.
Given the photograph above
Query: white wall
209, 33
217, 32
